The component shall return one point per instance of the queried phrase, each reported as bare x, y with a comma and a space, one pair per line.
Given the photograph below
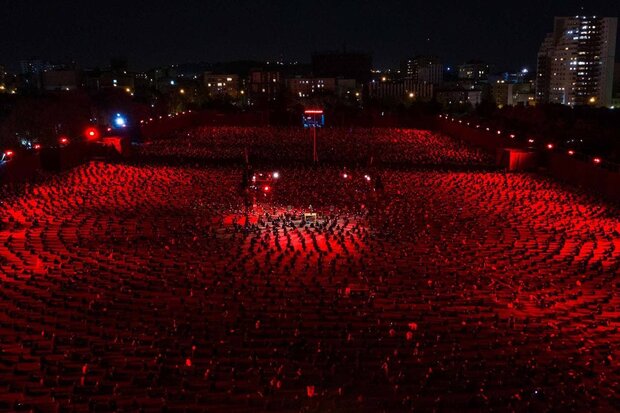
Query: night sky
156, 32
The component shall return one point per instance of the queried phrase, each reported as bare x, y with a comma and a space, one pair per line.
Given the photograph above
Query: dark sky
157, 32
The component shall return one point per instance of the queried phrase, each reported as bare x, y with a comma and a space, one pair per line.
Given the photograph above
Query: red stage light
550, 146
266, 189
8, 153
37, 146
313, 112
571, 152
597, 160
63, 140
92, 133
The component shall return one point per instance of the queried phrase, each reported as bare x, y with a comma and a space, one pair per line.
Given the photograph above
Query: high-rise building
265, 85
221, 84
576, 61
475, 71
423, 69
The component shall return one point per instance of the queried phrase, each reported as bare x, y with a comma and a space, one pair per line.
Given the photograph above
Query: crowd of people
160, 288
334, 145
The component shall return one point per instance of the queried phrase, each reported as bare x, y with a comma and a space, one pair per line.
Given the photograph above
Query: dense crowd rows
349, 146
146, 288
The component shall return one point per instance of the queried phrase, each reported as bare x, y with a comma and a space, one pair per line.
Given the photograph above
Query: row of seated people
353, 146
150, 288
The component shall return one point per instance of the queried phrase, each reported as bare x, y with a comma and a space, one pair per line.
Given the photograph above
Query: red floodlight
63, 140
92, 133
37, 146
8, 154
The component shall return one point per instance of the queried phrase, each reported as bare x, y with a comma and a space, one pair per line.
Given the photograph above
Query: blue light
120, 121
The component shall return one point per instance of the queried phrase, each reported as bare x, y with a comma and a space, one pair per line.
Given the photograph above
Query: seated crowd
171, 288
349, 146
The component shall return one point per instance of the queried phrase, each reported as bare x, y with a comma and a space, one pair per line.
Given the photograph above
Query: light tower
314, 118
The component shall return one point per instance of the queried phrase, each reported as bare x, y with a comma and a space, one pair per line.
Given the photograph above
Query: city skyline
224, 31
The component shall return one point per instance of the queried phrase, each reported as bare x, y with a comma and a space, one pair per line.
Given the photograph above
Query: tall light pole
312, 120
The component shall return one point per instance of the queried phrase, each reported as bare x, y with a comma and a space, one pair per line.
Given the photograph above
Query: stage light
276, 175
63, 140
597, 160
367, 178
530, 140
91, 133
266, 188
37, 146
8, 154
345, 175
550, 146
512, 135
571, 152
